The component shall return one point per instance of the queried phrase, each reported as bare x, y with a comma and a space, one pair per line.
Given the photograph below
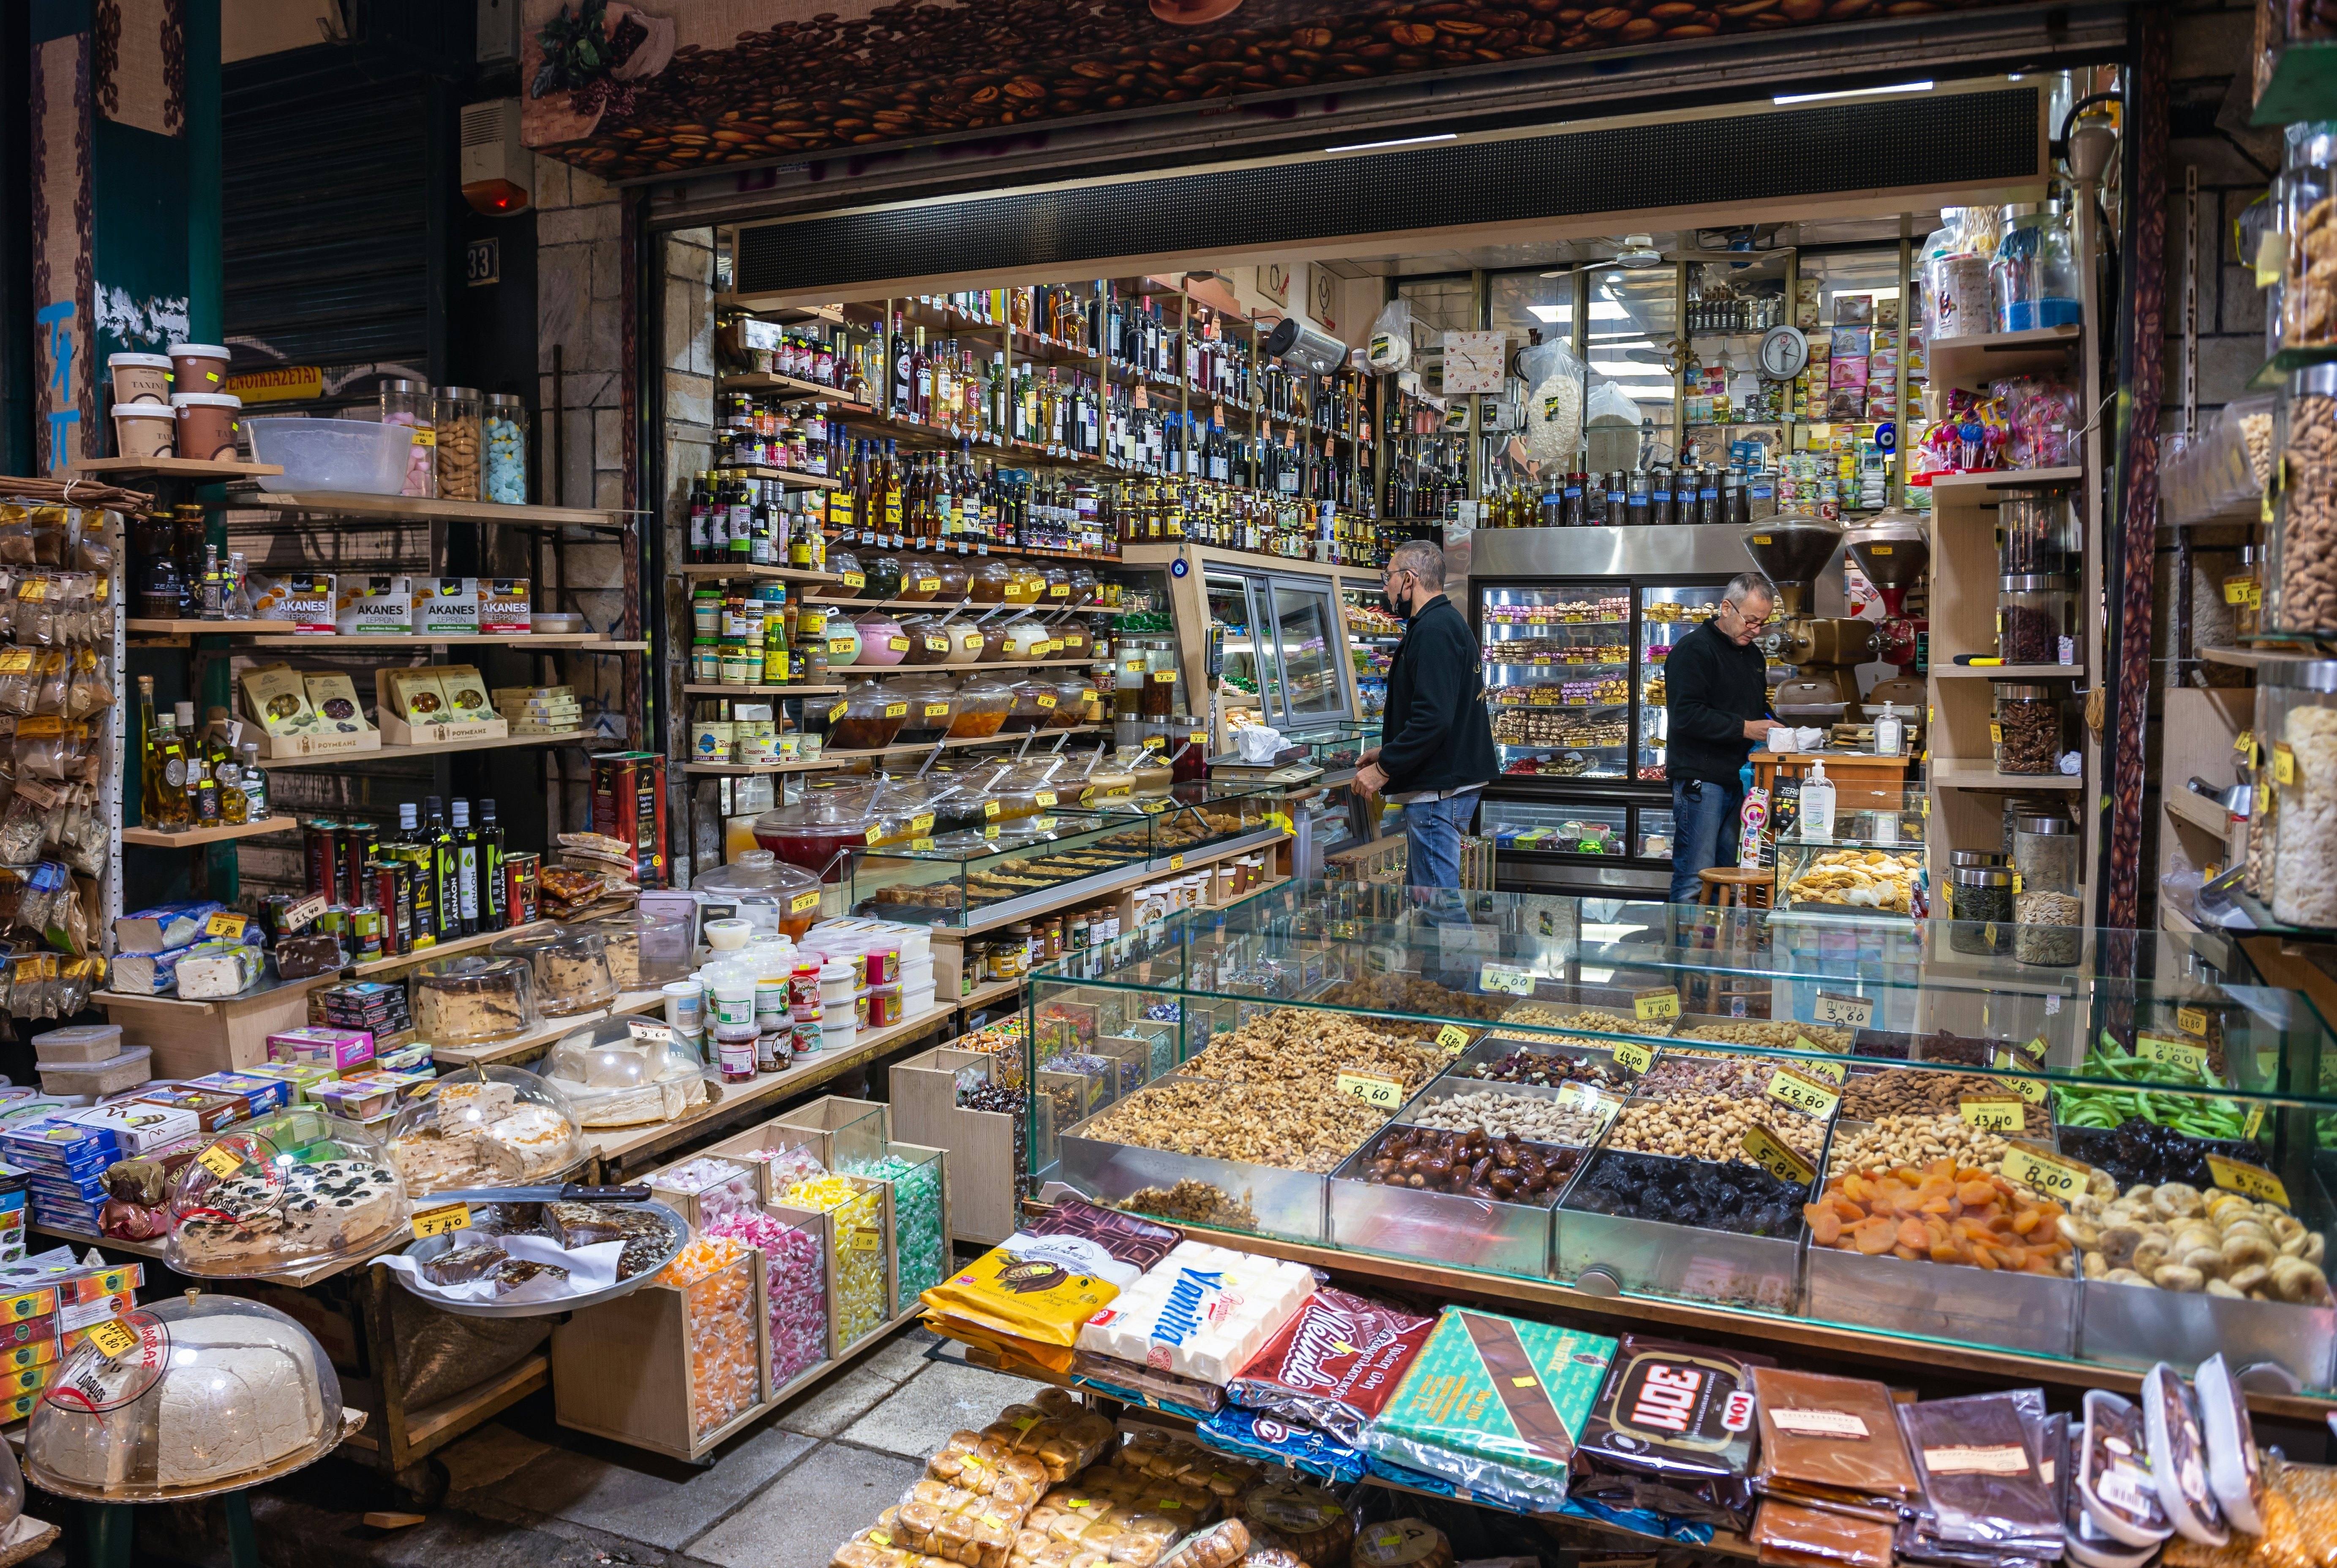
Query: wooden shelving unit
585, 739
155, 838
348, 503
727, 573
197, 470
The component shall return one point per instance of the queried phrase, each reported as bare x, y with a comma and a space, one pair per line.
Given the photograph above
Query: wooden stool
1733, 887
1730, 895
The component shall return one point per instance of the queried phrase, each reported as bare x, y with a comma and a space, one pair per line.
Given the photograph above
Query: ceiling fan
1638, 253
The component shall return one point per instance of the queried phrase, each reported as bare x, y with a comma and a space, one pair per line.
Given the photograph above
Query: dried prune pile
1742, 1199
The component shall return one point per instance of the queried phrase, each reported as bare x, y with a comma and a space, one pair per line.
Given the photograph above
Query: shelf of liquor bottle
590, 641
445, 947
329, 759
832, 314
349, 503
793, 387
969, 550
955, 668
785, 689
1972, 362
785, 478
741, 572
191, 468
162, 839
174, 628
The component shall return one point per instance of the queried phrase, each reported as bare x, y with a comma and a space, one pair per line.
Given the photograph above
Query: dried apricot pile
1947, 1212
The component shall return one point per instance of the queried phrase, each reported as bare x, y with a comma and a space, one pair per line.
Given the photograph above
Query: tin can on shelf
392, 896
323, 843
519, 886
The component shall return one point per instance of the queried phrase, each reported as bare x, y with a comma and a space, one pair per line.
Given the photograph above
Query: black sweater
1713, 686
1435, 735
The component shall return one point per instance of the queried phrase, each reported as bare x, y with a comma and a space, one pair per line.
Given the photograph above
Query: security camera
1304, 346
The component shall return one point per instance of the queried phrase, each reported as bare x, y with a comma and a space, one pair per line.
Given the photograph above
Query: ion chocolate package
1335, 1364
1672, 1430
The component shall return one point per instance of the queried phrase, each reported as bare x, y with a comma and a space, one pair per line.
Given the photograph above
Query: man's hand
1370, 780
1368, 758
1757, 729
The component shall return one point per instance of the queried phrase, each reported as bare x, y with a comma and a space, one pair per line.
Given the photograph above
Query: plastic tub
884, 574
989, 583
872, 717
207, 424
932, 699
842, 643
954, 575
812, 833
139, 379
143, 431
1026, 585
966, 643
1025, 640
197, 367
772, 896
982, 704
358, 456
847, 565
109, 1077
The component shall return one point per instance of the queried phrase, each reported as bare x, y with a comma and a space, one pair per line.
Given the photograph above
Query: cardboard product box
375, 606
466, 693
333, 696
276, 698
262, 1094
629, 803
307, 601
211, 1110
504, 607
338, 1048
417, 696
141, 1126
445, 607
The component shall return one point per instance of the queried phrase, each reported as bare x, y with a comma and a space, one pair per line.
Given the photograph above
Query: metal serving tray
1602, 1252
1492, 1047
1488, 1235
431, 1246
1286, 1203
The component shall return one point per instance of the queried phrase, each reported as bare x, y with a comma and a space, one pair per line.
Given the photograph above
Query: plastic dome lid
621, 1071
930, 641
283, 1194
219, 1392
484, 1126
845, 565
759, 874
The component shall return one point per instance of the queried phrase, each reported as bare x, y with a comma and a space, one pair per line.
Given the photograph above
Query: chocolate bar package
1496, 1401
1126, 1237
1672, 1430
1833, 1442
1276, 1442
1334, 1365
1134, 1383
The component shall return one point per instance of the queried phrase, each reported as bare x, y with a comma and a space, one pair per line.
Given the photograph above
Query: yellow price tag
1046, 699
2171, 1053
2236, 589
1176, 862
896, 710
225, 925
865, 1239
2191, 1020
929, 585
1633, 1059
2032, 1090
897, 644
1791, 1089
855, 579
1372, 1089
2283, 764
1996, 732
2248, 1181
112, 1337
2254, 1124
440, 1220
1993, 1116
1517, 982
990, 808
921, 843
1830, 1071
1453, 1038
2048, 1175
803, 901
937, 710
840, 645
1771, 1154
221, 1161
1198, 737
921, 823
1044, 797
1660, 1003
838, 711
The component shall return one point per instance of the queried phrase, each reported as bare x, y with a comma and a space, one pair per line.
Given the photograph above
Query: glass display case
1666, 616
1284, 641
1372, 633
1872, 863
1558, 678
1327, 1045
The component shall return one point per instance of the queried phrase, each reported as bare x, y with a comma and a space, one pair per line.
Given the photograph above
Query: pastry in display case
473, 999
571, 965
956, 875
647, 949
484, 1126
220, 1392
282, 1193
623, 1072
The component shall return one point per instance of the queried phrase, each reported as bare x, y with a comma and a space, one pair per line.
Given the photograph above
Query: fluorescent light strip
1407, 141
1853, 93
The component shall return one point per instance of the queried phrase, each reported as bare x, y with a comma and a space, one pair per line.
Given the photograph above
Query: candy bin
704, 1190
857, 1216
920, 1213
722, 1284
795, 1267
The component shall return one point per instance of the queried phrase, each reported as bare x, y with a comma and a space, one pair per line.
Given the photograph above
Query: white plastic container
727, 936
2233, 1468
144, 432
837, 981
139, 379
361, 456
2178, 1458
77, 1044
685, 1006
109, 1077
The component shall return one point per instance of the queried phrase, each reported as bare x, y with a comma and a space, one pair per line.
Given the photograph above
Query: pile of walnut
2176, 1237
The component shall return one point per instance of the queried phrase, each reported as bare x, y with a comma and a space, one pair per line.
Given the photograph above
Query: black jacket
1713, 686
1435, 735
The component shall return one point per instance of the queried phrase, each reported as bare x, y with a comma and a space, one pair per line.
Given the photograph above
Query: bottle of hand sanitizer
1817, 804
1889, 732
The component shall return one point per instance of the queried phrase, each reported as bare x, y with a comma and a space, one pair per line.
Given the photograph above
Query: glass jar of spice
1980, 909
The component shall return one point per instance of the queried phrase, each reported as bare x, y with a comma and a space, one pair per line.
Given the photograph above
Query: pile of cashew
2176, 1237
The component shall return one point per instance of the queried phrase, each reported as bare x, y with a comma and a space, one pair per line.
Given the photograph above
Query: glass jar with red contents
814, 833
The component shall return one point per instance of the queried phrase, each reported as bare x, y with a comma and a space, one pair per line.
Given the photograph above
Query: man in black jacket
1717, 684
1436, 750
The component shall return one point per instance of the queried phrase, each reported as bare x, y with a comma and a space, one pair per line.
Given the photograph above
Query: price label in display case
1651, 1005
1771, 1154
440, 1220
1372, 1089
1993, 1116
1633, 1059
2191, 1021
2049, 1175
1453, 1038
2248, 1181
2171, 1053
1791, 1089
1505, 977
1856, 1011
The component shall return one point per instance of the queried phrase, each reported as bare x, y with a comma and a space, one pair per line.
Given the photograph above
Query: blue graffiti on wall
61, 356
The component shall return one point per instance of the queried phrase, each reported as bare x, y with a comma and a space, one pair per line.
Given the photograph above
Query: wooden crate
981, 1143
623, 1370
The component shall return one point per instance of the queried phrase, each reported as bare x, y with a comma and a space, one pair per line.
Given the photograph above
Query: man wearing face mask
1436, 750
1717, 684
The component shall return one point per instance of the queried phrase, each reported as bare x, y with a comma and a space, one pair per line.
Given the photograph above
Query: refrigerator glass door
1372, 636
1247, 669
1306, 646
1666, 614
1558, 678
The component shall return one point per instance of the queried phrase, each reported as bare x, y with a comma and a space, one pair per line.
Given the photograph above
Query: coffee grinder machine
1894, 548
1793, 549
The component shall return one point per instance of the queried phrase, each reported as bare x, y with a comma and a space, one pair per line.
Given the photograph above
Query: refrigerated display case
1372, 633
1574, 625
1284, 638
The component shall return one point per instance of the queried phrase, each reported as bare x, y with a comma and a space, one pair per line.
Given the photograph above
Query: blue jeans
1432, 839
1704, 832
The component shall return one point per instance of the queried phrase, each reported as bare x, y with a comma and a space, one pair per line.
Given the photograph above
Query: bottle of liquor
150, 734
494, 905
439, 845
234, 808
254, 783
739, 536
904, 369
466, 869
206, 795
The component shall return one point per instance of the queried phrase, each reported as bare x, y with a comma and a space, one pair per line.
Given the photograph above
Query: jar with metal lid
1659, 498
2308, 293
1636, 501
458, 444
1959, 860
2243, 591
410, 404
2296, 726
1760, 495
502, 439
1980, 899
2034, 611
2025, 728
2045, 906
2301, 547
2035, 533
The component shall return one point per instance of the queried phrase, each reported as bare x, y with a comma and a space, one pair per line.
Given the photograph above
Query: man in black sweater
1435, 754
1717, 685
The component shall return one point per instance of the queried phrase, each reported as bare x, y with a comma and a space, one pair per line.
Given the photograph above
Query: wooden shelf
764, 381
961, 742
955, 668
585, 738
1949, 773
1037, 607
726, 572
1977, 492
2255, 657
174, 468
155, 838
2010, 671
447, 948
545, 1033
204, 628
1972, 362
695, 689
749, 769
348, 503
2190, 806
787, 478
588, 641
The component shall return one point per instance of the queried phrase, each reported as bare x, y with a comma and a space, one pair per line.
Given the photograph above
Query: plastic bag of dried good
32, 987
75, 981
80, 836
89, 692
35, 621
24, 830
1389, 348
53, 675
56, 534
50, 749
1554, 403
19, 680
96, 555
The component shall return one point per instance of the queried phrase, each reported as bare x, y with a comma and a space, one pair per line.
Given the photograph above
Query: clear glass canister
2296, 725
2300, 548
2025, 728
2243, 591
503, 434
410, 404
1979, 909
2045, 906
2307, 284
2034, 611
458, 444
2035, 533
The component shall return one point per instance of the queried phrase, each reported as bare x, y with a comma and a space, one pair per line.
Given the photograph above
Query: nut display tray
1500, 1238
1610, 1253
1282, 1203
2129, 1325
